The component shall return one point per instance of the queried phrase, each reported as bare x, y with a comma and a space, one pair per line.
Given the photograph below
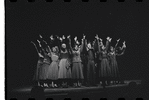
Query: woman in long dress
77, 71
105, 67
113, 62
53, 68
64, 73
39, 64
43, 71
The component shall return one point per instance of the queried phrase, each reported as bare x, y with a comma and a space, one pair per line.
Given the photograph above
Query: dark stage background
25, 21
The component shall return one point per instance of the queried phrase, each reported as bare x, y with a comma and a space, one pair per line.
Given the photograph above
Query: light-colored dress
43, 71
53, 68
64, 66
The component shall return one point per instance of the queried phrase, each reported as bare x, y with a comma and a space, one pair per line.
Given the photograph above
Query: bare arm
123, 48
117, 43
59, 43
70, 43
107, 43
35, 47
86, 47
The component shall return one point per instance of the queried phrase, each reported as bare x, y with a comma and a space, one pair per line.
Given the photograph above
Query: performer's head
53, 49
111, 48
103, 47
89, 45
64, 46
76, 47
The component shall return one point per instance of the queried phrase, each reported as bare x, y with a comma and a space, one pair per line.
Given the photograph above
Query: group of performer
62, 64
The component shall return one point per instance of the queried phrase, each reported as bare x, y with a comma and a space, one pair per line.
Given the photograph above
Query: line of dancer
61, 64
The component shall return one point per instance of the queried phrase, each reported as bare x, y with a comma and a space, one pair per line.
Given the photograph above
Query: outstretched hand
108, 38
51, 37
68, 36
38, 41
84, 36
118, 40
96, 36
40, 36
100, 39
60, 39
124, 45
75, 38
63, 37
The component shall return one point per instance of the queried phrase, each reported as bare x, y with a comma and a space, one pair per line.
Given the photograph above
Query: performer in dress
43, 71
39, 64
113, 62
98, 58
91, 74
64, 73
77, 71
105, 68
53, 68
84, 60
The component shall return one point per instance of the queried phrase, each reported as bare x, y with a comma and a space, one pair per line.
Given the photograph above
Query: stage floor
64, 91
93, 93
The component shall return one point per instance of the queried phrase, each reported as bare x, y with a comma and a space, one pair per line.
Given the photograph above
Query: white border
2, 53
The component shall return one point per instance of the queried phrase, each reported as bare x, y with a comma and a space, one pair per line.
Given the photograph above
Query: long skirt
36, 74
64, 69
77, 71
105, 68
114, 69
43, 71
53, 71
91, 74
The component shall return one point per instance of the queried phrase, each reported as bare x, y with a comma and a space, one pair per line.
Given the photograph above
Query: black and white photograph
76, 49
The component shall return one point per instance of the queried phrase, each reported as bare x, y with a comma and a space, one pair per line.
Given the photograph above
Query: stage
79, 92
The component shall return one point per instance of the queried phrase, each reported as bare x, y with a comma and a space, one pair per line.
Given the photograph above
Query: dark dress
43, 71
114, 66
105, 68
64, 66
77, 71
39, 65
91, 75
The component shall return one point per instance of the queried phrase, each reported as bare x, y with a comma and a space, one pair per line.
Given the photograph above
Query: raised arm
82, 44
107, 43
86, 47
35, 47
117, 43
123, 48
70, 43
98, 44
41, 47
59, 40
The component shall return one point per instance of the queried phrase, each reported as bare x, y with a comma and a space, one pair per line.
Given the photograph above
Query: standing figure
64, 73
113, 62
43, 71
77, 71
39, 64
105, 68
91, 73
97, 47
84, 60
53, 68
